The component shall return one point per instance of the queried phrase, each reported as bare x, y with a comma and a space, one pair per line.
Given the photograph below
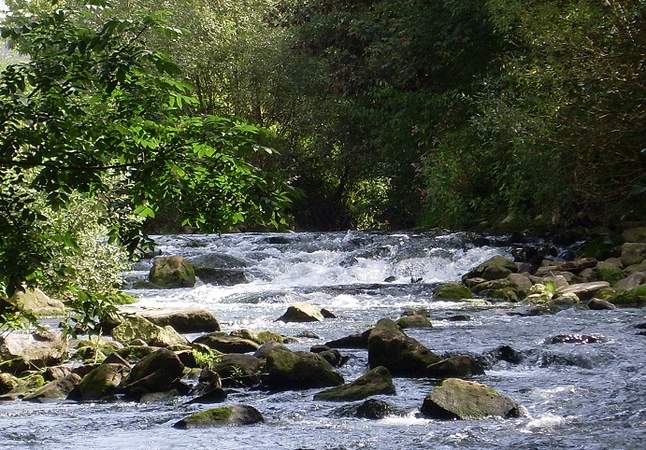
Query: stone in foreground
374, 382
226, 415
457, 399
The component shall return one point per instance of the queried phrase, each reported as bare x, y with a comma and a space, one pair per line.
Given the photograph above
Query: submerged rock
374, 382
227, 344
226, 415
574, 339
462, 400
137, 327
221, 277
302, 312
285, 369
369, 409
172, 272
452, 291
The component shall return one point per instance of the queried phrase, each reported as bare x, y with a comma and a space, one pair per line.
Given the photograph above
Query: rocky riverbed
346, 340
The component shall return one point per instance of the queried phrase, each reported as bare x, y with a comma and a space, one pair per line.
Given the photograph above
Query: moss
416, 321
452, 291
633, 297
609, 272
210, 416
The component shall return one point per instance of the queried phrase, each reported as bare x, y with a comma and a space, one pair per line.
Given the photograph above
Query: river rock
137, 327
238, 370
302, 312
216, 261
226, 415
172, 272
34, 301
55, 390
213, 395
263, 336
374, 382
7, 383
574, 339
577, 265
227, 344
158, 372
414, 322
21, 351
493, 269
331, 355
503, 289
374, 409
637, 234
184, 320
100, 383
221, 277
298, 370
452, 291
631, 281
633, 253
609, 272
390, 347
635, 297
462, 400
598, 305
358, 340
583, 290
641, 267
455, 366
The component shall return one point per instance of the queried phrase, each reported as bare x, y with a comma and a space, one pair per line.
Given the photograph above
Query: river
588, 396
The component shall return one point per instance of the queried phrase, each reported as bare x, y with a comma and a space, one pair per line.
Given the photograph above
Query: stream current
587, 396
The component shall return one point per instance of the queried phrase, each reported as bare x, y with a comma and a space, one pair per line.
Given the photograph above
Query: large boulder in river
226, 343
172, 272
236, 370
459, 399
633, 253
452, 291
418, 321
302, 312
357, 340
21, 351
184, 320
35, 301
493, 269
374, 382
390, 347
225, 415
100, 383
455, 366
221, 277
137, 327
286, 369
158, 372
55, 390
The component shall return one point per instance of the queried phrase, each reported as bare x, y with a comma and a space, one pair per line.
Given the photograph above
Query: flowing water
588, 396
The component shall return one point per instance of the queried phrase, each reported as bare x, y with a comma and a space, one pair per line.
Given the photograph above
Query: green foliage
206, 358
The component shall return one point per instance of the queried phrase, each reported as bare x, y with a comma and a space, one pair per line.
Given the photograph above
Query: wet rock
238, 370
493, 269
262, 337
633, 253
416, 311
374, 382
452, 291
56, 372
327, 314
632, 281
184, 320
308, 335
226, 415
574, 339
227, 344
333, 356
158, 372
374, 409
577, 265
221, 277
414, 322
298, 370
137, 327
505, 353
463, 400
55, 390
390, 347
598, 305
455, 366
458, 318
358, 340
21, 351
584, 291
172, 272
35, 301
302, 312
7, 383
390, 279
216, 261
213, 395
501, 289
556, 359
641, 326
609, 272
101, 383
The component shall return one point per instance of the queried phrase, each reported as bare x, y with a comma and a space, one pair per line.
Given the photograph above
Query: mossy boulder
35, 301
55, 390
237, 370
183, 320
493, 269
414, 322
285, 369
641, 267
377, 381
610, 272
633, 253
402, 355
221, 277
138, 327
101, 383
158, 372
452, 291
8, 383
226, 343
539, 294
226, 415
455, 366
302, 312
357, 340
263, 336
172, 272
635, 297
462, 400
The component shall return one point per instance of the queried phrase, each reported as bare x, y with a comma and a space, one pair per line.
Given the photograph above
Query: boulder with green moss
464, 400
225, 415
158, 372
636, 234
55, 390
377, 381
493, 269
137, 327
452, 291
263, 336
225, 343
609, 271
455, 366
402, 355
633, 253
418, 321
183, 320
35, 301
101, 383
631, 281
635, 297
172, 272
285, 369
